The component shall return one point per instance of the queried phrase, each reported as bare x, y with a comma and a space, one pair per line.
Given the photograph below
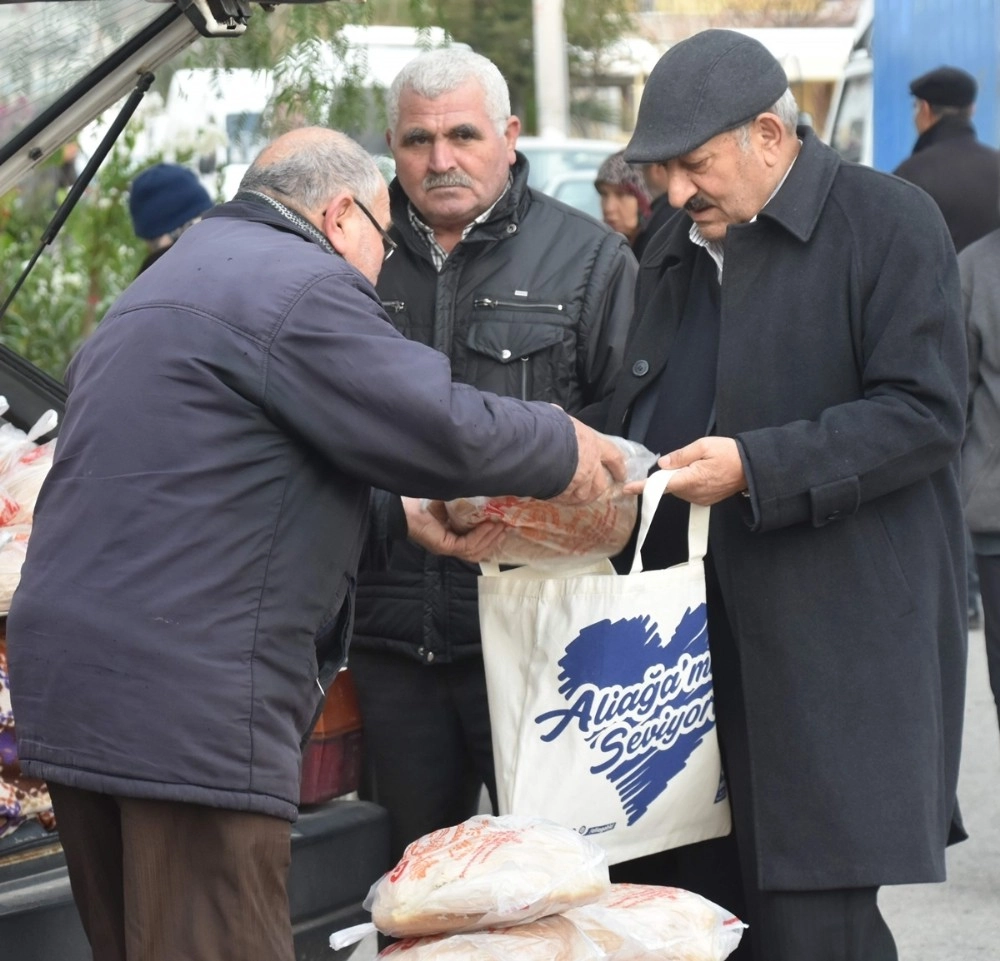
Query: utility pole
551, 68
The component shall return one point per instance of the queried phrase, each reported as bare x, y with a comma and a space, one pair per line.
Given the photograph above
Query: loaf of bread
552, 535
548, 939
541, 532
487, 872
645, 922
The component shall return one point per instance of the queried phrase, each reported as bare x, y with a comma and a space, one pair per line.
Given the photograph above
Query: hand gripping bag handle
656, 486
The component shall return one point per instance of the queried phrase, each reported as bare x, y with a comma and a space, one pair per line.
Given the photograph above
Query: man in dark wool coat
798, 355
959, 172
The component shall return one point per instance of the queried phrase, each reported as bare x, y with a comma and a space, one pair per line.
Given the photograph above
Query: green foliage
502, 31
77, 278
307, 90
498, 29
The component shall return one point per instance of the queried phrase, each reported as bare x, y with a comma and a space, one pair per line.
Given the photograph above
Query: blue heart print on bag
642, 705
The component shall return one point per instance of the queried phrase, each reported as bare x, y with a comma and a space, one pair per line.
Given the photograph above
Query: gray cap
711, 82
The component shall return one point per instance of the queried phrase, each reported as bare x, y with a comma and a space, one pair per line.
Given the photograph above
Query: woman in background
625, 199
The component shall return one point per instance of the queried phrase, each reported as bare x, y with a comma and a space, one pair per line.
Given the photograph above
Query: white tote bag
600, 696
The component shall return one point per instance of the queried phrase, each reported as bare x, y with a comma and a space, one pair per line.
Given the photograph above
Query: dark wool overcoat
961, 174
841, 373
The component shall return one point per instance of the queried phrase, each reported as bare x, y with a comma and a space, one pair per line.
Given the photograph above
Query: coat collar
947, 128
249, 206
799, 203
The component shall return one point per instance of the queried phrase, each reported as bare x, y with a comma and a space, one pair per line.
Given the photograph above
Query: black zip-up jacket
534, 303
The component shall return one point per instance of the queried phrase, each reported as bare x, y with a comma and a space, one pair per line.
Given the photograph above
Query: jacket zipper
394, 306
492, 304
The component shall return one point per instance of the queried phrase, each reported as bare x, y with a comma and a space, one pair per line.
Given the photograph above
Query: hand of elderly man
708, 471
427, 525
600, 463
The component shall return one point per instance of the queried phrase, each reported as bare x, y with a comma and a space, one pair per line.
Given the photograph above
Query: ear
924, 117
511, 135
337, 222
771, 137
388, 139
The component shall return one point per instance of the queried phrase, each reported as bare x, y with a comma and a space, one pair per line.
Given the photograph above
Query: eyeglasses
388, 244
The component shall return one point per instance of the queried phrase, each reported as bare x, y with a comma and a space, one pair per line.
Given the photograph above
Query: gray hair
441, 71
787, 111
965, 113
317, 169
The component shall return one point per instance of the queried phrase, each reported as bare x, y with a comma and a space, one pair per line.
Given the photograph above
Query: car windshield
45, 48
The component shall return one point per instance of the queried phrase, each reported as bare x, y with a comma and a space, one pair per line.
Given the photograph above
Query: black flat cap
946, 87
711, 82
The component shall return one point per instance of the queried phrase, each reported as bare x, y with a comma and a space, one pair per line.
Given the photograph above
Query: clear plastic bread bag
552, 938
646, 922
545, 534
487, 872
15, 444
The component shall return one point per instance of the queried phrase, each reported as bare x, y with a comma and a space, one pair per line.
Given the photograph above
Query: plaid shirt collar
438, 254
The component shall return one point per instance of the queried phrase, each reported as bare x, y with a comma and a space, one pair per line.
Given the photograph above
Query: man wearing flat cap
798, 356
959, 172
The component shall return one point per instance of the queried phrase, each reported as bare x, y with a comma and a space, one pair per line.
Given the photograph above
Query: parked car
62, 62
565, 168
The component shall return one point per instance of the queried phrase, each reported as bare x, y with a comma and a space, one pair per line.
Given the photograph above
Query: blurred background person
164, 201
655, 177
959, 172
963, 177
977, 265
625, 200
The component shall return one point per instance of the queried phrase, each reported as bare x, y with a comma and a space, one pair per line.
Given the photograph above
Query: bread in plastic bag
23, 467
552, 938
487, 872
645, 922
22, 481
13, 547
543, 533
15, 443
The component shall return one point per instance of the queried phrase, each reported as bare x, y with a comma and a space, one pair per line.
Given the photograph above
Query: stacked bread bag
516, 888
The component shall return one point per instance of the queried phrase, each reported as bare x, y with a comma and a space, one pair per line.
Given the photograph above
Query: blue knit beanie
165, 197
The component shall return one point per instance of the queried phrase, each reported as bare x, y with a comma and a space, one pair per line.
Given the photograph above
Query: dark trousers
989, 587
167, 881
427, 740
830, 925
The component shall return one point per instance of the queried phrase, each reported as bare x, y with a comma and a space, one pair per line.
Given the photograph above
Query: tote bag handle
656, 486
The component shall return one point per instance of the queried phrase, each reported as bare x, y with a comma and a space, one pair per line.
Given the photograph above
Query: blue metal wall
913, 36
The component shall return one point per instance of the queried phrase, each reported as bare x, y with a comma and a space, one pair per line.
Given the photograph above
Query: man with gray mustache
528, 298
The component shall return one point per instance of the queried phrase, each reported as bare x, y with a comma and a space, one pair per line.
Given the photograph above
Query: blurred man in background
655, 176
959, 172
